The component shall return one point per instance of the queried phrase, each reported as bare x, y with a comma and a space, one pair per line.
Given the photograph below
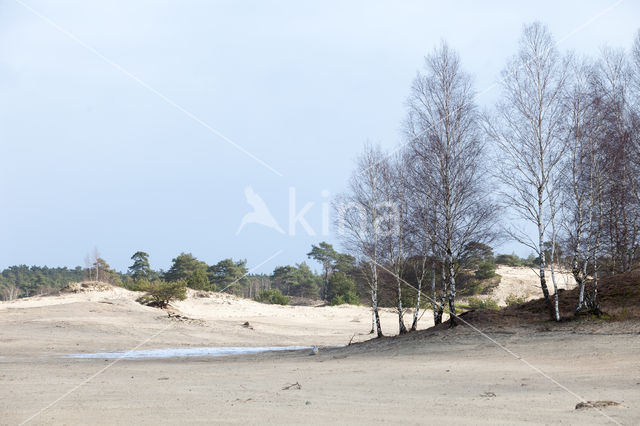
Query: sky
148, 125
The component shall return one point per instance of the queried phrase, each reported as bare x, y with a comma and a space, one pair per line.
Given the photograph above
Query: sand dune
459, 373
108, 317
525, 282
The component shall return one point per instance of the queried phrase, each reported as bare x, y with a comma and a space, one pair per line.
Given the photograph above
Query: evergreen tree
140, 270
325, 254
285, 278
199, 281
342, 290
24, 281
228, 274
183, 267
307, 282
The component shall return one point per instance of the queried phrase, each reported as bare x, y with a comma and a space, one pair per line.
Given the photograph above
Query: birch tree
358, 213
635, 113
422, 248
528, 131
635, 66
622, 187
583, 180
448, 152
10, 292
393, 225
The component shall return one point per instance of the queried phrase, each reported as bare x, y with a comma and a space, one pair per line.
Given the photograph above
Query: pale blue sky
92, 158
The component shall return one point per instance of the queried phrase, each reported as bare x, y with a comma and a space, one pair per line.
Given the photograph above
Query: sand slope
417, 379
524, 282
104, 317
109, 318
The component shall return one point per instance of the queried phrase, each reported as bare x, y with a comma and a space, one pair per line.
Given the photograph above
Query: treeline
559, 151
24, 281
336, 285
339, 282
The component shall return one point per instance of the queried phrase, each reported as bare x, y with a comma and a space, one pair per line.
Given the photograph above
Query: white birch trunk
416, 312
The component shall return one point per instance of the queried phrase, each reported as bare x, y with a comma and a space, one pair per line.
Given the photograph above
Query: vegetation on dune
25, 281
515, 261
183, 267
513, 300
198, 281
161, 293
486, 270
572, 173
342, 290
141, 269
479, 303
472, 286
273, 296
228, 275
619, 295
297, 280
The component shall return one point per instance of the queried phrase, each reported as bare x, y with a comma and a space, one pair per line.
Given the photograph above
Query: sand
457, 376
91, 321
524, 283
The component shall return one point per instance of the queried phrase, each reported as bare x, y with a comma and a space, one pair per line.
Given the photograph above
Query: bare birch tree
393, 224
422, 248
92, 265
358, 213
635, 58
10, 292
420, 261
635, 113
447, 152
622, 186
583, 180
528, 130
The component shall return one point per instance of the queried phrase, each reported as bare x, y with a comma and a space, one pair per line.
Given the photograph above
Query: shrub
469, 288
135, 285
161, 293
341, 290
508, 259
486, 270
532, 261
198, 281
273, 296
512, 299
345, 299
478, 303
409, 299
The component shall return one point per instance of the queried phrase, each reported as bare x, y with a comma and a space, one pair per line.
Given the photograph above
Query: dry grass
619, 298
86, 286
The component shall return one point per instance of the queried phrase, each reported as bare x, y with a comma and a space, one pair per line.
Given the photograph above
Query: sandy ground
94, 321
457, 376
524, 283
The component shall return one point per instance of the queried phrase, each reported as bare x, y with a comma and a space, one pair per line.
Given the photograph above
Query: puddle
186, 352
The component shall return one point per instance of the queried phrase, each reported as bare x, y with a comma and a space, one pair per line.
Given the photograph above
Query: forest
340, 281
553, 165
336, 285
227, 275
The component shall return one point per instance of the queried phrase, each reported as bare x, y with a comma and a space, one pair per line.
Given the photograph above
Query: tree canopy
140, 270
228, 275
184, 265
